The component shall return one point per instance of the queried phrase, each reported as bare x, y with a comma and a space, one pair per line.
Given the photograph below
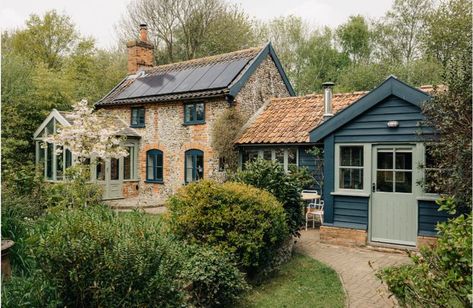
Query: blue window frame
194, 165
194, 113
154, 166
137, 117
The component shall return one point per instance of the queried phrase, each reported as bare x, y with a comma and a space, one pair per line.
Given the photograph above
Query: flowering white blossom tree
90, 135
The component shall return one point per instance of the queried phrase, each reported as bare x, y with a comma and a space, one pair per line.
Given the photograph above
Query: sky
98, 18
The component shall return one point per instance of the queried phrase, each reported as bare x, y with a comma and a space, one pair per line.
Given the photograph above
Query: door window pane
100, 170
385, 160
384, 181
127, 164
404, 160
114, 169
403, 181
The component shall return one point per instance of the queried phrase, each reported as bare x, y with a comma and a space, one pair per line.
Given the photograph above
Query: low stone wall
130, 189
428, 241
343, 236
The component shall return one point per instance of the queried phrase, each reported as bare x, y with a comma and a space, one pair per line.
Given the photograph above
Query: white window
352, 168
54, 163
285, 156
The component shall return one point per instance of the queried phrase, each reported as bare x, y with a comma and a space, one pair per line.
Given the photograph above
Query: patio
356, 267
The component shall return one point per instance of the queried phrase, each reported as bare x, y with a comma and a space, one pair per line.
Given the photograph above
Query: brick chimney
140, 52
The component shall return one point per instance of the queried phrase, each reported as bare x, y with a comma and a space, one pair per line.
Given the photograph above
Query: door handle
373, 187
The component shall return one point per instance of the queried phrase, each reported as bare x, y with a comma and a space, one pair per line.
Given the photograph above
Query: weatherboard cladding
429, 216
350, 212
371, 126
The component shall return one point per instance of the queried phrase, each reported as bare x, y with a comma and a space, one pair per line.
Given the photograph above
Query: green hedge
96, 258
234, 218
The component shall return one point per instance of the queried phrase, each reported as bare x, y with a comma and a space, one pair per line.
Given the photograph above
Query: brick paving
356, 267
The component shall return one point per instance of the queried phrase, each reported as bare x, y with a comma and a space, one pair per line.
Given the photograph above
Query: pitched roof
390, 86
204, 77
124, 129
289, 120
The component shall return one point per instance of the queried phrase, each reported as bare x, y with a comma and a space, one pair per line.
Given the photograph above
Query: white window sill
350, 193
428, 198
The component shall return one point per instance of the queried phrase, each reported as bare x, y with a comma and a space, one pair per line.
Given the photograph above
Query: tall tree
448, 30
400, 31
185, 29
354, 37
46, 38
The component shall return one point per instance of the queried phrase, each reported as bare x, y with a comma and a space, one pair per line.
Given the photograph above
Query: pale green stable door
109, 175
393, 204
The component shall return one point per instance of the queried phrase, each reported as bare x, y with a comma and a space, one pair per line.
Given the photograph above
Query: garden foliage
440, 276
234, 218
93, 257
286, 187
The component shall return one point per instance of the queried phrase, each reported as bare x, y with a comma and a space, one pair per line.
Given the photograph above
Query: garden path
356, 267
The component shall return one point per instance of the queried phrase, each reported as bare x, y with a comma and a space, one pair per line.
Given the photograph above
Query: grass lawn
302, 282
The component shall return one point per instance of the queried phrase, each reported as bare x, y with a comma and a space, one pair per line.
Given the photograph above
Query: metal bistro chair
315, 207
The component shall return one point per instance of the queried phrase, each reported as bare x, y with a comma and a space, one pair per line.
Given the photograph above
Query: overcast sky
97, 18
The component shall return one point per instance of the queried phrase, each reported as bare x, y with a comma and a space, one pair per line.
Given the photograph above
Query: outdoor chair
315, 208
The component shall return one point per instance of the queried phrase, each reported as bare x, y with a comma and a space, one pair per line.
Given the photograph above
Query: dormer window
194, 113
138, 117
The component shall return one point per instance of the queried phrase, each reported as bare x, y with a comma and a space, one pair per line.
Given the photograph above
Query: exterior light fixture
393, 124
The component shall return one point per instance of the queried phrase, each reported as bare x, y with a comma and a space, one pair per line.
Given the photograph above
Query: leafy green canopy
48, 65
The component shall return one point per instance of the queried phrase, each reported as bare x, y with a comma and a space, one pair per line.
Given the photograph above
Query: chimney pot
143, 32
328, 99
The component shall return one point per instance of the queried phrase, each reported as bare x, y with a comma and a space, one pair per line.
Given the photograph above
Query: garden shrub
286, 187
441, 276
211, 279
234, 218
75, 190
91, 256
29, 291
98, 259
23, 200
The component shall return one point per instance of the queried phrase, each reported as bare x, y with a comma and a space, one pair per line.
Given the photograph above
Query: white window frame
366, 168
273, 154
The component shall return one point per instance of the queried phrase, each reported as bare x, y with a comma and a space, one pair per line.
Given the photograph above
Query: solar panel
128, 92
192, 79
229, 73
211, 76
178, 77
157, 82
207, 79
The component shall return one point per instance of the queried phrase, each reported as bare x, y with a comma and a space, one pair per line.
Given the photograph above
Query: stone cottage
169, 111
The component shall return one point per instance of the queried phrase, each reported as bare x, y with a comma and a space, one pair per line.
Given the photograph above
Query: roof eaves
390, 86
